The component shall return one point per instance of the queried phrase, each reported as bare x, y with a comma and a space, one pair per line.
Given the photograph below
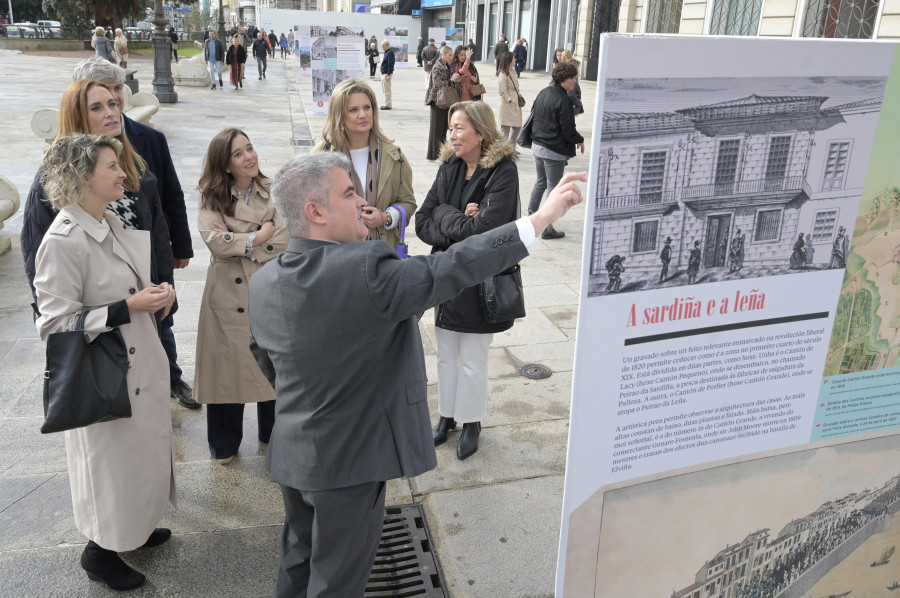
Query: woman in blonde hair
102, 46
121, 48
239, 224
88, 107
476, 190
89, 265
381, 173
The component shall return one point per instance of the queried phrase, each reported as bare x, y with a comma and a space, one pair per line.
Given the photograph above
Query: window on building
735, 17
663, 16
596, 260
726, 164
644, 238
854, 19
823, 226
836, 165
768, 225
777, 162
653, 174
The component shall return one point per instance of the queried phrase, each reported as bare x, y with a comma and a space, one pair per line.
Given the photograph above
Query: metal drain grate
405, 564
535, 371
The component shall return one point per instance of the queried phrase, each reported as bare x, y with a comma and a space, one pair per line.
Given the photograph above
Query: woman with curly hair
243, 231
90, 267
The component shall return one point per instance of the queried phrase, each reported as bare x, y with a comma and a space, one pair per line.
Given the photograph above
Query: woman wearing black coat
372, 55
476, 190
554, 137
236, 57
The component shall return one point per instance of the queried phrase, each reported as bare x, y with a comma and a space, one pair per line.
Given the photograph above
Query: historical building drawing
805, 549
764, 180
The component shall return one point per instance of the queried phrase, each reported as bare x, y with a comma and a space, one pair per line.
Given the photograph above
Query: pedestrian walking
387, 73
214, 54
261, 53
235, 58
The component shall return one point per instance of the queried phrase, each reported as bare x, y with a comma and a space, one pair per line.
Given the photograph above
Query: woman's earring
228, 171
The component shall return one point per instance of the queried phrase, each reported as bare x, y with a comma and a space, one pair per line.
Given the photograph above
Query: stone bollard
9, 205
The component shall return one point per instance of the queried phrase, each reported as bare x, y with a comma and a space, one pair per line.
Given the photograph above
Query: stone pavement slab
494, 517
497, 539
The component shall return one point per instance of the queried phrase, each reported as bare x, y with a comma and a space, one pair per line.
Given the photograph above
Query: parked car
28, 30
10, 31
50, 28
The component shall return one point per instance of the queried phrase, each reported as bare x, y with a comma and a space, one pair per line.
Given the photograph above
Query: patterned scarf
370, 190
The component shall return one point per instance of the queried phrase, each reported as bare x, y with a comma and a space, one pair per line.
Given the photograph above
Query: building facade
753, 186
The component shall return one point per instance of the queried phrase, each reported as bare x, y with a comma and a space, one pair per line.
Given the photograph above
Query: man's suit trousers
329, 541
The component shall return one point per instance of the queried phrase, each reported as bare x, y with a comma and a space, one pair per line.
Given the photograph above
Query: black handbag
524, 138
502, 297
84, 382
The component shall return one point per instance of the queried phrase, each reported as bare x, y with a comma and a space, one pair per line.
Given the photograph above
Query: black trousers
329, 540
225, 426
167, 338
437, 131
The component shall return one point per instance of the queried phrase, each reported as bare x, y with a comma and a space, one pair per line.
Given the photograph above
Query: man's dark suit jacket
334, 327
153, 148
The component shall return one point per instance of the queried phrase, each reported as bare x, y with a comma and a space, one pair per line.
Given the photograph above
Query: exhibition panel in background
735, 418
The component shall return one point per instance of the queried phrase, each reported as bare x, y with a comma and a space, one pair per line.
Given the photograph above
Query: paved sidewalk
494, 517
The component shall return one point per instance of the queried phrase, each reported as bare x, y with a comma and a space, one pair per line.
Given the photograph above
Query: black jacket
39, 214
442, 223
154, 149
260, 48
553, 125
520, 53
387, 62
220, 51
240, 58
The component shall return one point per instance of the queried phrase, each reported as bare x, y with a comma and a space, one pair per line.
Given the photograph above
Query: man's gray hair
98, 69
302, 180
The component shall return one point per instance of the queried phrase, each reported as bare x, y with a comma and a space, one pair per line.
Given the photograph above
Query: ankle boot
106, 566
444, 425
468, 440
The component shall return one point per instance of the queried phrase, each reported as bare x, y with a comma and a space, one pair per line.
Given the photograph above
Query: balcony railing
753, 187
638, 199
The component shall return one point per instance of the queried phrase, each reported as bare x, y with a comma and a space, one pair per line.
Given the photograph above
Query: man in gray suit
334, 327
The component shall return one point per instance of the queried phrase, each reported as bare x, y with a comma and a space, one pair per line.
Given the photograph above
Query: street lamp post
163, 83
221, 33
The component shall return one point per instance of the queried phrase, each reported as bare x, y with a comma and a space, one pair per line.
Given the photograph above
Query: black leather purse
84, 382
502, 298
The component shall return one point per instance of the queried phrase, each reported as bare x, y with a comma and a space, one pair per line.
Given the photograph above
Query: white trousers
462, 364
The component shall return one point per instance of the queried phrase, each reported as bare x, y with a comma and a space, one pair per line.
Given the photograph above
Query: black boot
468, 440
159, 536
444, 425
106, 566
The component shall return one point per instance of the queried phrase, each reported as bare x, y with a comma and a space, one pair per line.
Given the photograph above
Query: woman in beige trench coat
121, 471
381, 173
509, 115
243, 231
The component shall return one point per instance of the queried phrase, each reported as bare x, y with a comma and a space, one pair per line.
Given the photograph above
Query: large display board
734, 424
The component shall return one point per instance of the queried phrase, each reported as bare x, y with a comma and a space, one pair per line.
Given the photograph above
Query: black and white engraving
702, 180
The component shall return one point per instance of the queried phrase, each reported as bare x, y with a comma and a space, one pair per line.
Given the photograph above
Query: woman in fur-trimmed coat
476, 190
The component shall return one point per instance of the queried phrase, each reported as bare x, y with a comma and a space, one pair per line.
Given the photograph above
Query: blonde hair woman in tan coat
509, 113
121, 471
381, 173
239, 224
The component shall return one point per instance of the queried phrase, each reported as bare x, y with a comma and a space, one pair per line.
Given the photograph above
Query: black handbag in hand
84, 382
502, 298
